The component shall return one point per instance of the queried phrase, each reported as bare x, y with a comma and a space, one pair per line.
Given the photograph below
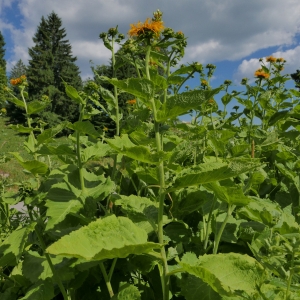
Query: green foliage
156, 209
51, 62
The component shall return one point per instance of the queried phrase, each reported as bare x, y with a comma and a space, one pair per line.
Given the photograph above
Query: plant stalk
107, 281
230, 209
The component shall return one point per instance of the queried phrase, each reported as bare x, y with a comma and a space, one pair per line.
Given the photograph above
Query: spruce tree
52, 63
15, 113
3, 78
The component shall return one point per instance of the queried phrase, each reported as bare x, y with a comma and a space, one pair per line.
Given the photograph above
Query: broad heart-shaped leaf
231, 195
141, 153
41, 290
106, 238
33, 166
193, 288
12, 247
73, 94
35, 107
142, 88
140, 210
67, 197
85, 127
48, 134
36, 267
214, 171
127, 292
226, 273
181, 103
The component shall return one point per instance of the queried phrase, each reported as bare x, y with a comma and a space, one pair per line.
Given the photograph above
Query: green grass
11, 141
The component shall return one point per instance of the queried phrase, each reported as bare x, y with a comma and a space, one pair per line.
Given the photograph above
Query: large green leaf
12, 247
214, 171
48, 134
33, 166
227, 273
231, 195
193, 288
35, 107
109, 237
85, 127
139, 87
182, 103
141, 153
41, 290
127, 292
36, 267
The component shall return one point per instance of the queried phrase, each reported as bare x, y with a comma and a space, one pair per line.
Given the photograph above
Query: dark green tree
296, 78
3, 78
15, 113
52, 63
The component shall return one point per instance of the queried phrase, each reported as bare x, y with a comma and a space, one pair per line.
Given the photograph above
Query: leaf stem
107, 280
164, 277
48, 258
230, 209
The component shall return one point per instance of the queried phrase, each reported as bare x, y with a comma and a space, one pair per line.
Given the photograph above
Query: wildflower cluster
149, 28
260, 73
18, 81
131, 102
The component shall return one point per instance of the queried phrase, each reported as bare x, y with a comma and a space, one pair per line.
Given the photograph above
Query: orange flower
271, 59
261, 74
151, 26
133, 101
15, 81
211, 101
280, 59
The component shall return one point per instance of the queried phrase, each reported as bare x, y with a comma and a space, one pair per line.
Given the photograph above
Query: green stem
164, 278
290, 277
112, 268
218, 237
107, 280
209, 222
115, 88
78, 152
48, 258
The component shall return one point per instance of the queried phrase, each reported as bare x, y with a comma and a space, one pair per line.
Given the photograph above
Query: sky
232, 34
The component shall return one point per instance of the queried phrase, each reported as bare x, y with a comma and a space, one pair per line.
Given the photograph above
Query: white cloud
216, 30
248, 67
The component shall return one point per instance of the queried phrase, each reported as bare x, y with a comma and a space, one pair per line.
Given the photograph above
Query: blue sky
232, 34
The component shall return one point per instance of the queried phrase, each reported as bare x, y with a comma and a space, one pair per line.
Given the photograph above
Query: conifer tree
52, 63
15, 113
3, 78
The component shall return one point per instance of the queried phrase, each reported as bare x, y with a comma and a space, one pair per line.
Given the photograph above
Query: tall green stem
115, 88
48, 258
164, 278
230, 209
107, 280
78, 152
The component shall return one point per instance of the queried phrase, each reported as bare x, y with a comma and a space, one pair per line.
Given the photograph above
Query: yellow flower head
149, 26
203, 82
105, 129
261, 74
280, 59
271, 59
133, 101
